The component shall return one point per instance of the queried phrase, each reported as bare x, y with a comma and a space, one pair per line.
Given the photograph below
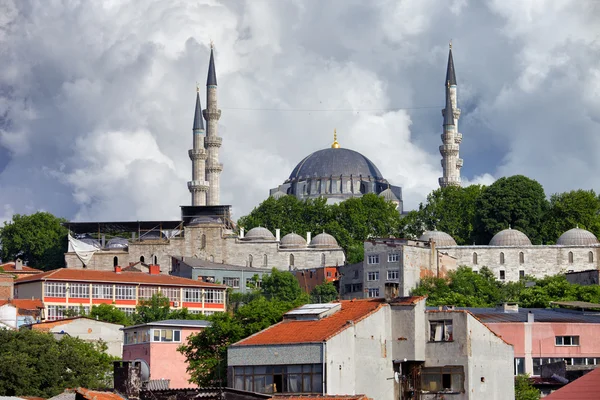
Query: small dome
388, 195
324, 240
117, 243
92, 242
205, 220
510, 237
577, 237
278, 194
440, 238
293, 240
259, 233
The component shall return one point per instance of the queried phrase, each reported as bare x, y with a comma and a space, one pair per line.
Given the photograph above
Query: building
585, 388
376, 347
337, 174
311, 278
156, 343
239, 278
76, 289
87, 329
17, 269
588, 277
544, 336
397, 264
15, 313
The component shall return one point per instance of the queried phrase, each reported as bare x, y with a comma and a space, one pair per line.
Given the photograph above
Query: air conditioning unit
175, 304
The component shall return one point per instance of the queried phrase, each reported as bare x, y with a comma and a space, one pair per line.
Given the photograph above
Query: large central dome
335, 162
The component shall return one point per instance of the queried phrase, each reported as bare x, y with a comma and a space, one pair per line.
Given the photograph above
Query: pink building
542, 336
157, 343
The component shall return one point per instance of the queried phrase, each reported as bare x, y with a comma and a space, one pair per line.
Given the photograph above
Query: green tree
524, 390
282, 286
570, 209
36, 364
157, 308
517, 202
109, 313
324, 293
38, 239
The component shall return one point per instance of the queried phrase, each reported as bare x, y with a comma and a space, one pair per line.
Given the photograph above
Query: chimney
509, 307
241, 233
19, 264
117, 269
530, 317
308, 237
127, 377
278, 234
154, 269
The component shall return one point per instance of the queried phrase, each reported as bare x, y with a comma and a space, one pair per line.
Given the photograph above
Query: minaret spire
451, 138
213, 141
198, 185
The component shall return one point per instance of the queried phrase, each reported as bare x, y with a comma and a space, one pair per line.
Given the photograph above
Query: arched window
591, 256
349, 187
265, 261
155, 260
521, 257
474, 258
115, 261
203, 242
291, 260
323, 259
501, 258
212, 258
250, 260
363, 188
142, 259
570, 257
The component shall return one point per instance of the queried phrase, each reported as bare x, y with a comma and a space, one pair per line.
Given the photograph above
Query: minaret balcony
211, 114
449, 181
457, 138
214, 167
459, 162
449, 149
197, 154
213, 141
198, 186
448, 138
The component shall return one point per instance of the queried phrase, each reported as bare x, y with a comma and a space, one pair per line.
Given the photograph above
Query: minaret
451, 138
213, 141
198, 185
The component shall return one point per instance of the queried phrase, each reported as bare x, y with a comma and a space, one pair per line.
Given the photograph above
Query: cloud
96, 98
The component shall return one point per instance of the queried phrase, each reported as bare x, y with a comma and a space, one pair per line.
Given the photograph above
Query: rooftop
183, 323
315, 331
24, 304
319, 397
494, 315
204, 264
47, 325
10, 267
84, 275
88, 394
585, 388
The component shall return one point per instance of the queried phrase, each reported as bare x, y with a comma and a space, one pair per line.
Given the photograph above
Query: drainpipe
324, 365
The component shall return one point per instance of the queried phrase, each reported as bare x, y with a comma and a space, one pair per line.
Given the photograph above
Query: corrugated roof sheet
493, 315
68, 274
315, 331
313, 397
585, 388
194, 323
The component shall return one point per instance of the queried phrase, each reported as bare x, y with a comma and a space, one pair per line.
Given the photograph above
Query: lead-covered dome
577, 237
440, 238
335, 162
324, 240
292, 240
259, 233
510, 237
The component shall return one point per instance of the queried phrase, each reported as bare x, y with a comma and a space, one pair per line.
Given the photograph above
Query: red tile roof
313, 397
585, 388
315, 331
10, 267
24, 304
86, 275
407, 301
97, 395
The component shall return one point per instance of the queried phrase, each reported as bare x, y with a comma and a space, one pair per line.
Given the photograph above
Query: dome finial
450, 44
197, 87
335, 144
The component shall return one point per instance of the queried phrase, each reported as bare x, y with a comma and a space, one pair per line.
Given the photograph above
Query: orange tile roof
407, 301
10, 267
69, 274
585, 388
97, 395
24, 304
299, 331
326, 397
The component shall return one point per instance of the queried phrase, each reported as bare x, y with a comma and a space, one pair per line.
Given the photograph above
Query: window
392, 275
172, 293
347, 288
373, 259
232, 282
265, 261
192, 295
155, 260
291, 260
127, 310
166, 335
250, 260
323, 259
203, 242
123, 292
55, 289
373, 276
440, 331
570, 257
501, 258
502, 275
355, 274
521, 257
296, 378
567, 340
79, 290
102, 291
519, 366
56, 312
213, 296
329, 274
115, 261
142, 259
591, 256
373, 292
521, 274
357, 287
79, 310
449, 379
252, 283
134, 337
208, 312
474, 258
146, 292
393, 257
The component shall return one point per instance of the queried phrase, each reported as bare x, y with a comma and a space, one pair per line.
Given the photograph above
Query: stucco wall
408, 327
30, 290
93, 331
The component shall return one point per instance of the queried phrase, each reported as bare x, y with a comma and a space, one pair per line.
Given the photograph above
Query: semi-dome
324, 240
117, 243
577, 237
278, 194
335, 162
292, 240
440, 238
510, 237
388, 195
259, 233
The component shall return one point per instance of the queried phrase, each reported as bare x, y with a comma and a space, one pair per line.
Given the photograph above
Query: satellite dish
397, 377
144, 369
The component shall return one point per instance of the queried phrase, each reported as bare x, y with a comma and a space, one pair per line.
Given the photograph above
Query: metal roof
494, 315
120, 226
187, 323
583, 305
204, 264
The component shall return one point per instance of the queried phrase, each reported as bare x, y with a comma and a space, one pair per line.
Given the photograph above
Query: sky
97, 97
